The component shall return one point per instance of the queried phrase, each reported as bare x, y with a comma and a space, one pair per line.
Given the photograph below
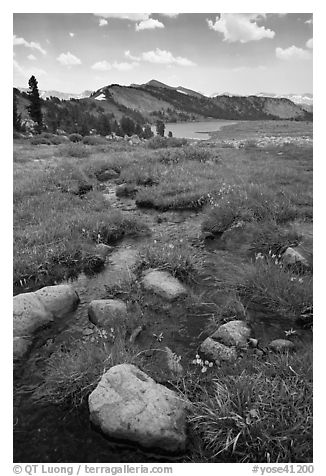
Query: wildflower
204, 369
290, 332
300, 280
194, 362
210, 364
206, 362
199, 361
197, 356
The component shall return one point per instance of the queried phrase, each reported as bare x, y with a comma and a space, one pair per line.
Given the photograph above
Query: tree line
77, 116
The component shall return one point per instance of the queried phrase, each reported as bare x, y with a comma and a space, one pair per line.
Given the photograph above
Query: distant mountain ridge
58, 94
156, 100
146, 103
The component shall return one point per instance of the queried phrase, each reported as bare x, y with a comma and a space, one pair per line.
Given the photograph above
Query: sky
239, 53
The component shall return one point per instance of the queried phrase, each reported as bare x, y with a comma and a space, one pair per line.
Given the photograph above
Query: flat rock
107, 312
163, 284
29, 314
59, 299
281, 345
32, 311
232, 333
216, 351
129, 405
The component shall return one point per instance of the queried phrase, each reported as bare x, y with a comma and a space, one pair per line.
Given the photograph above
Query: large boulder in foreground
107, 312
216, 351
129, 405
34, 310
163, 284
233, 333
59, 300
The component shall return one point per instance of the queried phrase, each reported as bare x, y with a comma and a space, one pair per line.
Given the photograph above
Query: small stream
58, 434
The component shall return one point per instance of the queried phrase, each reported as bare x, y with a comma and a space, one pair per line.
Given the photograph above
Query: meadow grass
257, 410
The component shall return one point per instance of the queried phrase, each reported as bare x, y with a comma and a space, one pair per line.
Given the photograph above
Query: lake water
195, 130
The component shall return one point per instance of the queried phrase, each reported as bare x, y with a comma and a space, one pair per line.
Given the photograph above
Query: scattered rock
59, 300
88, 332
127, 404
34, 310
29, 314
163, 284
107, 312
234, 333
281, 345
103, 250
216, 351
107, 174
292, 257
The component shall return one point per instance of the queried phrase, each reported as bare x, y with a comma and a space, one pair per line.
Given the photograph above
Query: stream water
44, 433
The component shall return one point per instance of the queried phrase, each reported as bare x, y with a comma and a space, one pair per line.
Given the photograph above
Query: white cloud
106, 66
68, 59
310, 21
160, 57
292, 53
240, 27
149, 24
31, 57
102, 66
102, 22
124, 66
29, 44
71, 34
125, 16
171, 15
309, 43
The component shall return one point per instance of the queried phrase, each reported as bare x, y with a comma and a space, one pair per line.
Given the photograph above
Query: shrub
75, 137
75, 150
159, 142
94, 140
37, 140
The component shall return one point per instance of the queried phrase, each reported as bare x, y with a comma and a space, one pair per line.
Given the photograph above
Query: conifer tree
34, 108
16, 117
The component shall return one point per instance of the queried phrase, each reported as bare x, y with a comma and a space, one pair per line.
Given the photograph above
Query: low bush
75, 137
94, 140
75, 150
159, 142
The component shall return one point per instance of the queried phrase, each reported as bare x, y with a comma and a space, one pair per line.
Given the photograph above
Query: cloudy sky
209, 52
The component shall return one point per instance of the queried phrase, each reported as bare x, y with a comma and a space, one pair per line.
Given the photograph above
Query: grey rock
292, 257
216, 351
29, 314
281, 345
127, 404
234, 333
163, 284
34, 310
59, 300
103, 250
107, 312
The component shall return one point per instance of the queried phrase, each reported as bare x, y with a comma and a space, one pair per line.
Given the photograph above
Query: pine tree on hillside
160, 128
34, 108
